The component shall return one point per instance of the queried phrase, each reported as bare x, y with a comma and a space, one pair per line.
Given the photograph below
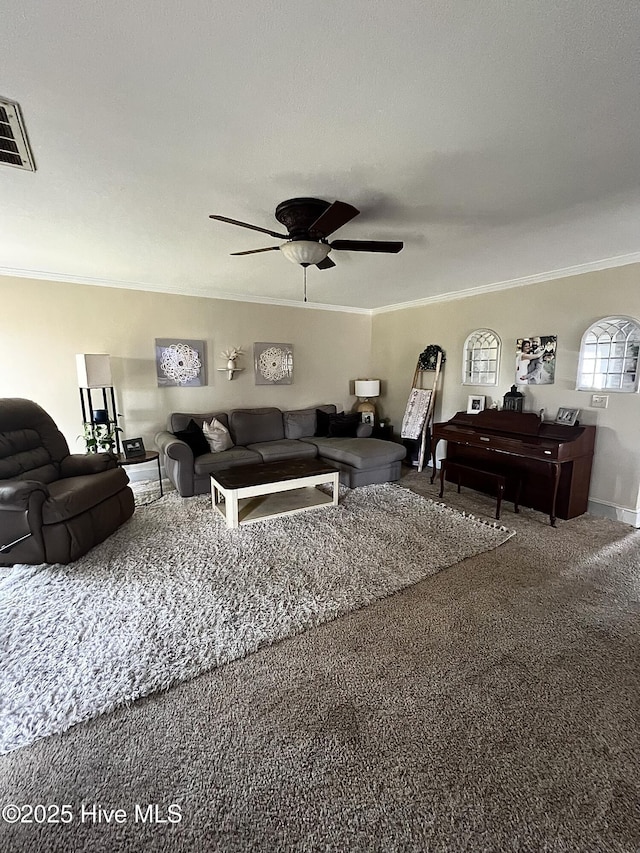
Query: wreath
429, 357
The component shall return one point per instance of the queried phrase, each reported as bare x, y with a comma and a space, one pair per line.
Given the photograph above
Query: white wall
44, 324
564, 307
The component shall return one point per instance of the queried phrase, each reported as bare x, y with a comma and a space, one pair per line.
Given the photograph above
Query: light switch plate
599, 401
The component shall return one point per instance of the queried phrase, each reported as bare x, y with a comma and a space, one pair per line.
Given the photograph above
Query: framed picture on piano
475, 404
566, 416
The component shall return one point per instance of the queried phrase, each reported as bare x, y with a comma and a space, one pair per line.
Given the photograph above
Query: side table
385, 432
147, 456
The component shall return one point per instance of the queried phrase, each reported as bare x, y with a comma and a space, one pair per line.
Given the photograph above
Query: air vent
14, 145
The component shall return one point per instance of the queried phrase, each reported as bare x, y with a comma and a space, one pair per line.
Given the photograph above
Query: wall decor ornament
180, 362
273, 363
481, 358
231, 356
428, 358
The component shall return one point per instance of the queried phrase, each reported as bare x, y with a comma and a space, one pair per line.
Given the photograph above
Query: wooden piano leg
443, 470
499, 499
434, 444
555, 467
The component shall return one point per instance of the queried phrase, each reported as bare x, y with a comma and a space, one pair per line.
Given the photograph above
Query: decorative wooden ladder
422, 400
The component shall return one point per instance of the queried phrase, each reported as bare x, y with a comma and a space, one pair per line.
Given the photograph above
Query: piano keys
549, 464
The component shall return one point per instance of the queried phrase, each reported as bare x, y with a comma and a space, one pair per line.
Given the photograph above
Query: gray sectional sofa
270, 435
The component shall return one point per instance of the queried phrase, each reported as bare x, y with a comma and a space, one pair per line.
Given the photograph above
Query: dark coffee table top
270, 472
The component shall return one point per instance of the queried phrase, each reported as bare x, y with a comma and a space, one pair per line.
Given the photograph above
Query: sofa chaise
271, 435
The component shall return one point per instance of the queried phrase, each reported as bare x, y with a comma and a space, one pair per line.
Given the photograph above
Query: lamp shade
305, 252
94, 370
367, 387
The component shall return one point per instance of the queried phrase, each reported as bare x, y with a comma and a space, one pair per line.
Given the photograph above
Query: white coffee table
272, 489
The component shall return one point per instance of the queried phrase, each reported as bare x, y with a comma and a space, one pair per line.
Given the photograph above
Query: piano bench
458, 469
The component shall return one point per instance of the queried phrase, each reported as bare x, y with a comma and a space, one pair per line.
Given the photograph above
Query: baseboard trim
604, 509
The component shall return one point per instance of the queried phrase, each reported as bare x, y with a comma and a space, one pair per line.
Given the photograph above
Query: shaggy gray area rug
174, 593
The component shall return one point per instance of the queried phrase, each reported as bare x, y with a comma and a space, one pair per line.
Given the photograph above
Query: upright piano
547, 465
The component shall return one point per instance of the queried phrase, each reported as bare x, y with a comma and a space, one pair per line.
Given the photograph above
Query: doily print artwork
273, 364
180, 362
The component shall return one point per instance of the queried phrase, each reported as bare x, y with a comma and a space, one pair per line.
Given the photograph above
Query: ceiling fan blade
326, 264
255, 251
246, 225
334, 217
366, 246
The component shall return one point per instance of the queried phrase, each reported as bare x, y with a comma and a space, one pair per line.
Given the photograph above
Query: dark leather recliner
54, 506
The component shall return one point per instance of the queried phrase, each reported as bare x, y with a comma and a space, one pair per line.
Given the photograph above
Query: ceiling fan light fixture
305, 252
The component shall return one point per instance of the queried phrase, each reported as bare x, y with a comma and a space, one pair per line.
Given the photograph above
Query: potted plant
100, 438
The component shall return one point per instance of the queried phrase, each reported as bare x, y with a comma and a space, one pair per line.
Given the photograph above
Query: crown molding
566, 272
537, 278
202, 292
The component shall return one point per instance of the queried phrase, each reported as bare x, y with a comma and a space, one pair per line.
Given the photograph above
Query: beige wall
564, 307
44, 324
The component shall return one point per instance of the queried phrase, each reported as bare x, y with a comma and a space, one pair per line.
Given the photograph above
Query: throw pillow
217, 436
343, 425
322, 423
194, 437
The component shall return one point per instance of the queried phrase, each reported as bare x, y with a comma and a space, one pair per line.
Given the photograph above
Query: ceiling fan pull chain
305, 283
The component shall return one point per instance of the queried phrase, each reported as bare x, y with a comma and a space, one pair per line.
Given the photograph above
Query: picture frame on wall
567, 416
273, 363
536, 360
180, 362
475, 404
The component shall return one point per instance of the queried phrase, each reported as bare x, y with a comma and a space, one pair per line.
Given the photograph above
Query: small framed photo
368, 418
133, 447
475, 404
567, 417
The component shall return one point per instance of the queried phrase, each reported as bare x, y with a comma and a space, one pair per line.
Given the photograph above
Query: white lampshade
367, 387
94, 370
305, 252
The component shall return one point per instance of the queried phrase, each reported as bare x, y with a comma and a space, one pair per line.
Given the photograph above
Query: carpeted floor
492, 707
173, 593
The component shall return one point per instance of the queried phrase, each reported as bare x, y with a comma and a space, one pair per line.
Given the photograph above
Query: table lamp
364, 389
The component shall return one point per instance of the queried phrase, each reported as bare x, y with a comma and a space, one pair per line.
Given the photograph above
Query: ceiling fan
309, 222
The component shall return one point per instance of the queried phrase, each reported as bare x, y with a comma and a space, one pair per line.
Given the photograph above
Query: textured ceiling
499, 140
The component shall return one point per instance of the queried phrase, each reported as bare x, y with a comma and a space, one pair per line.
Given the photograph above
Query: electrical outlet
599, 401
